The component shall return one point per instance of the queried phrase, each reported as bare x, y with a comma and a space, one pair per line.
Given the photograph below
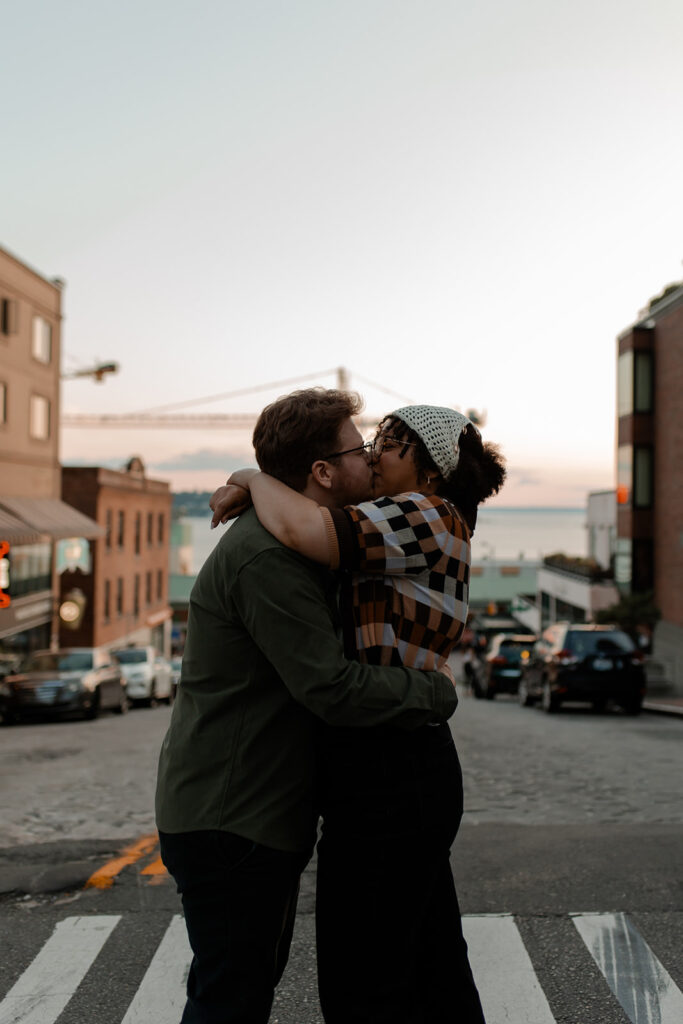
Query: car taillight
565, 657
637, 658
499, 660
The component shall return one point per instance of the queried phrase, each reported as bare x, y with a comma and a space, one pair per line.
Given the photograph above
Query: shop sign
73, 553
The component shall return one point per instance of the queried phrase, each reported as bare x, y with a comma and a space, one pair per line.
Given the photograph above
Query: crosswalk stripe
47, 985
507, 983
161, 995
644, 988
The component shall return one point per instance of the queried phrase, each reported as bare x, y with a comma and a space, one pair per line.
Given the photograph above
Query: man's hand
232, 499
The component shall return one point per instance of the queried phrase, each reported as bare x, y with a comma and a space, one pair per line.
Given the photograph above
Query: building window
39, 418
119, 596
643, 382
623, 563
150, 528
625, 384
642, 476
148, 588
41, 343
136, 595
624, 474
160, 584
107, 600
138, 531
160, 529
120, 533
9, 318
29, 569
3, 402
635, 382
108, 527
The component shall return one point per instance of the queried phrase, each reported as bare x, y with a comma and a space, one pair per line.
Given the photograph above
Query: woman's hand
233, 498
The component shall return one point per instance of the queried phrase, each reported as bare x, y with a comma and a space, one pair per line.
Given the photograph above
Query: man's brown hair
294, 431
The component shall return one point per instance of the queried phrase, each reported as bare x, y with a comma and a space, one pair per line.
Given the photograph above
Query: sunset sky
463, 204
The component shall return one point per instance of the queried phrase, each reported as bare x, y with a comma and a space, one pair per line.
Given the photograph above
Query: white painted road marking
47, 985
507, 983
510, 991
161, 995
644, 988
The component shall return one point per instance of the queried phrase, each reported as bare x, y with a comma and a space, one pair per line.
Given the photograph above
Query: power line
233, 394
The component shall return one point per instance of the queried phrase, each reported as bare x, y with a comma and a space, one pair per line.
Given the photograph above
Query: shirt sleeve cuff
331, 537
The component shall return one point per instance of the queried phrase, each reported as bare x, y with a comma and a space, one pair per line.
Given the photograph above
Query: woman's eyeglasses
385, 442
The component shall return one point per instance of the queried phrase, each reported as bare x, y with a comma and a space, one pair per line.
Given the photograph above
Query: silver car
74, 680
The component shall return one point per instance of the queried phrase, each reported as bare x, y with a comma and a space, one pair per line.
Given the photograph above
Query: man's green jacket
263, 660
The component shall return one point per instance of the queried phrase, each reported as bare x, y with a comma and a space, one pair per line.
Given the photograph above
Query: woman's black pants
389, 935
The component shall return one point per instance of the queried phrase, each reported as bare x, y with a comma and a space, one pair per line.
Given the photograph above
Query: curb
57, 878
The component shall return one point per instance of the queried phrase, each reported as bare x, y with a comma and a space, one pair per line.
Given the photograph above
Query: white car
146, 673
176, 665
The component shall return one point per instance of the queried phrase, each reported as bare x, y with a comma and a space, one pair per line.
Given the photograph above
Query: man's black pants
239, 900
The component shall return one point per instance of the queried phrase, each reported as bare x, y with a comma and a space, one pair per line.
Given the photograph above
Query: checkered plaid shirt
409, 558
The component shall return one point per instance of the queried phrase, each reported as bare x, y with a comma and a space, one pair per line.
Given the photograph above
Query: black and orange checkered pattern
410, 562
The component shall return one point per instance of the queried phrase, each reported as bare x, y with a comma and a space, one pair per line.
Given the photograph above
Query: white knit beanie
439, 428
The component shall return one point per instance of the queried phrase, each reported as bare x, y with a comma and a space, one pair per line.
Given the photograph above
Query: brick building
126, 595
34, 522
649, 552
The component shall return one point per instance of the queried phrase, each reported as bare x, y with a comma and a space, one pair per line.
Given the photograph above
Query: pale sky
464, 203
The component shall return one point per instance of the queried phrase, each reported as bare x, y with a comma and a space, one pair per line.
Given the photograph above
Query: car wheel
632, 707
599, 706
549, 701
523, 696
8, 719
93, 709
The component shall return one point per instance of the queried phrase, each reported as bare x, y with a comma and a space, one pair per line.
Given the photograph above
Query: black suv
583, 663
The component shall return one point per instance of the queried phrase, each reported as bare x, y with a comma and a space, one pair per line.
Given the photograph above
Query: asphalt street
568, 816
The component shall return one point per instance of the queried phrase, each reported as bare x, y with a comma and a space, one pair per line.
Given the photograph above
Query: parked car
80, 680
147, 675
501, 668
589, 663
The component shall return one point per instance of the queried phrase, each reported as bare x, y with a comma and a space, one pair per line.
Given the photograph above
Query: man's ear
321, 473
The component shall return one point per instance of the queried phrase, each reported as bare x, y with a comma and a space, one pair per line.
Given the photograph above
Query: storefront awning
16, 532
52, 517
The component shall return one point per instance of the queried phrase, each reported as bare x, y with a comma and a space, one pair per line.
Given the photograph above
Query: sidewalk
664, 705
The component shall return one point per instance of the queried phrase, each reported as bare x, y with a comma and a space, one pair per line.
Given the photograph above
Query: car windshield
595, 643
131, 657
57, 661
512, 649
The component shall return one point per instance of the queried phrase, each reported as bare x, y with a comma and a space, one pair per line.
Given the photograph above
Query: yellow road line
104, 877
155, 868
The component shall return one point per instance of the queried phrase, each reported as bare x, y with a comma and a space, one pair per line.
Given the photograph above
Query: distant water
501, 533
529, 532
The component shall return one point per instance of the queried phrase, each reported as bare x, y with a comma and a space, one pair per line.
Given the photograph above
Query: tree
634, 613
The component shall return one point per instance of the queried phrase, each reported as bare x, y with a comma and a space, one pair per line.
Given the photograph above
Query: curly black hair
480, 472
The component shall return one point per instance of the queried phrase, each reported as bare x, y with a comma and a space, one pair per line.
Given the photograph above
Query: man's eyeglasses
385, 441
365, 448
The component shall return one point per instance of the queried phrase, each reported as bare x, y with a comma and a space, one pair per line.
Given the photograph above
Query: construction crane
97, 372
168, 416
